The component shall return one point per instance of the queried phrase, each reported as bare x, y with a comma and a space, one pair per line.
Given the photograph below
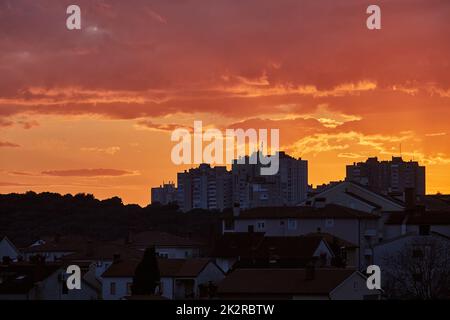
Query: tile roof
256, 245
237, 244
354, 195
20, 278
161, 239
434, 202
288, 247
97, 251
58, 244
367, 189
420, 217
282, 281
179, 268
332, 239
305, 212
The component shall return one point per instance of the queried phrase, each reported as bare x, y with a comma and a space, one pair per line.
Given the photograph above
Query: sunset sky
92, 110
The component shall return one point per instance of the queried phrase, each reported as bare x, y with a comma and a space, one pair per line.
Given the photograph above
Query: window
261, 225
129, 288
112, 288
329, 223
164, 255
424, 230
250, 228
292, 224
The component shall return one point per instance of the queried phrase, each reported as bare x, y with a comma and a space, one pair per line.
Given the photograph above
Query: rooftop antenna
400, 149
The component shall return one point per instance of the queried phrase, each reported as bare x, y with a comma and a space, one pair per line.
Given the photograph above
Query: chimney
410, 198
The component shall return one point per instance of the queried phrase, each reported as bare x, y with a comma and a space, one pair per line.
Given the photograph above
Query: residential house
412, 262
296, 284
234, 246
180, 278
357, 227
53, 249
101, 255
239, 250
345, 252
40, 281
8, 249
356, 196
166, 245
417, 221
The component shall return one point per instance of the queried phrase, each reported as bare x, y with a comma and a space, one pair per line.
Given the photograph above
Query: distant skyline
92, 110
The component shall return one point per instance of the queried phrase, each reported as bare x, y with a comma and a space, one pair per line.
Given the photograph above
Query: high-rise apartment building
164, 194
388, 177
288, 187
204, 188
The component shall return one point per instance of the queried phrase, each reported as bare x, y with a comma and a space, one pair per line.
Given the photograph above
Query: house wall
442, 229
323, 249
85, 293
51, 289
121, 288
7, 250
49, 256
210, 273
122, 284
353, 288
225, 263
167, 287
178, 253
48, 289
352, 257
352, 230
393, 231
346, 229
101, 266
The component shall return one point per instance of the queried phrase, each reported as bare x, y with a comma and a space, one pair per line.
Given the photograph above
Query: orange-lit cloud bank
92, 110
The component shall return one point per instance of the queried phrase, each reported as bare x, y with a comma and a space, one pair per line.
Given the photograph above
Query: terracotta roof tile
305, 212
282, 281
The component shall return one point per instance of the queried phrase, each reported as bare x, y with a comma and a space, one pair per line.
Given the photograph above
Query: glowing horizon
92, 110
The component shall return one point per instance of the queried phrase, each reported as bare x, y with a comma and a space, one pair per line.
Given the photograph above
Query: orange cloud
88, 173
7, 144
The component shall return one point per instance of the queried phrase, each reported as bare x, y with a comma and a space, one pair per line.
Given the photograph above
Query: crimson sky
92, 110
